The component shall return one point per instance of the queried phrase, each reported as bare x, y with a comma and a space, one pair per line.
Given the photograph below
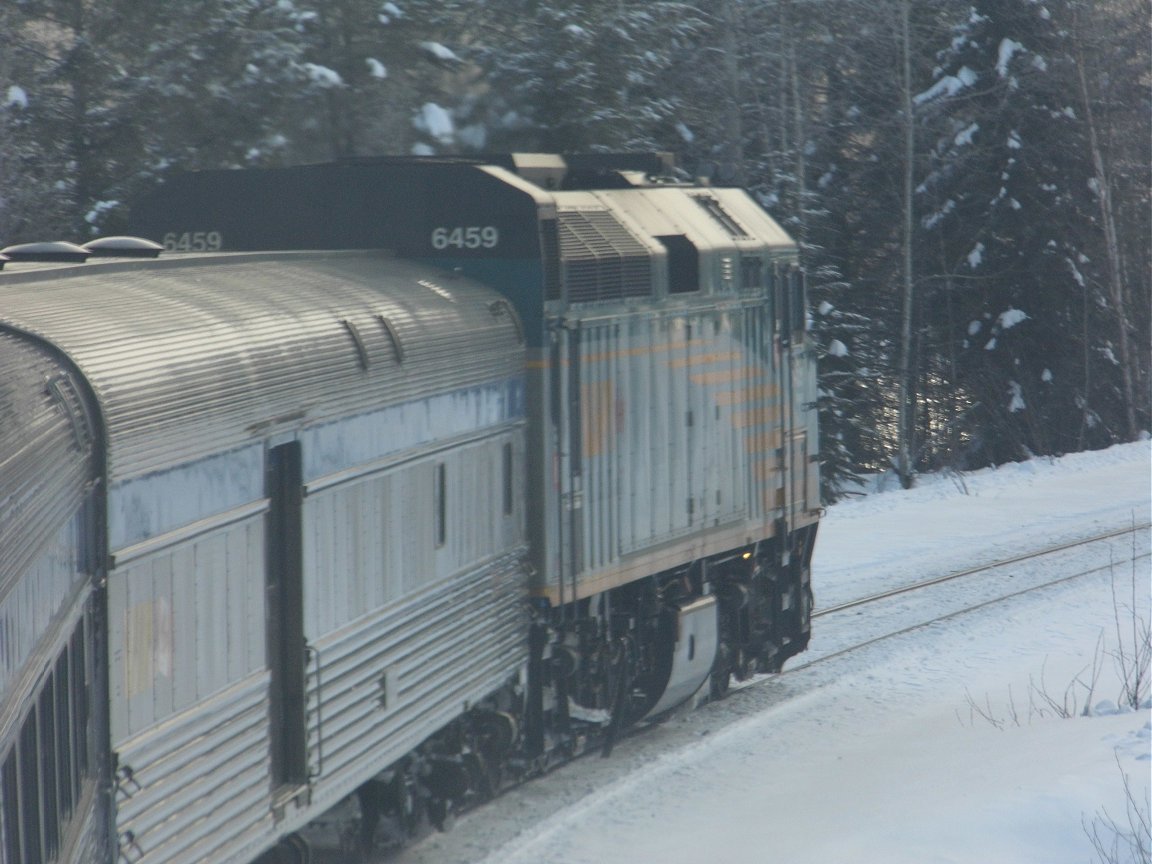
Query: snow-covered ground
939, 745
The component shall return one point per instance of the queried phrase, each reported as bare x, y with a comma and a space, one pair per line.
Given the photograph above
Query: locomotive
403, 478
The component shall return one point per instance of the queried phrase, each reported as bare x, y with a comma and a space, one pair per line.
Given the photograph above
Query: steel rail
926, 583
992, 601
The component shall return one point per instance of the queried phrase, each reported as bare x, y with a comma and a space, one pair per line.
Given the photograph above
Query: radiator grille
601, 260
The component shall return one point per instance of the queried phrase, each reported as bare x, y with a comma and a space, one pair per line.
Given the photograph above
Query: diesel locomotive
389, 480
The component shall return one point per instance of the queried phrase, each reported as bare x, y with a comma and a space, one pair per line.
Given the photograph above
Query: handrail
313, 652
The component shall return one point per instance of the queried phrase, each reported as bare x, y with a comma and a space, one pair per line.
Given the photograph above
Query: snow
440, 52
948, 85
965, 136
96, 213
375, 68
1008, 48
17, 97
322, 75
436, 121
882, 754
1011, 317
836, 348
1076, 274
1015, 397
473, 137
976, 256
934, 219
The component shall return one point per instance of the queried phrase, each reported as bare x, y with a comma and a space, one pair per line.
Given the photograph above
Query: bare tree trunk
798, 136
733, 150
906, 414
1117, 287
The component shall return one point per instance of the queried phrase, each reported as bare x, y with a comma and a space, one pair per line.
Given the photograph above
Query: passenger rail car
397, 477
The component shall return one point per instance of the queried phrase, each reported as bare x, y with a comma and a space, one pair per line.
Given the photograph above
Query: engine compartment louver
601, 259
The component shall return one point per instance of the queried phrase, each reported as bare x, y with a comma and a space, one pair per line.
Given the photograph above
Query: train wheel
721, 677
442, 813
292, 849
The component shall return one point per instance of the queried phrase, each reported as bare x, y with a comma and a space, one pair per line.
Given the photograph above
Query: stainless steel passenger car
284, 457
51, 713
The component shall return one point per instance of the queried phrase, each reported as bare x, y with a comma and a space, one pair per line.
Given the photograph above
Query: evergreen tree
62, 113
207, 85
845, 383
370, 67
1013, 214
574, 76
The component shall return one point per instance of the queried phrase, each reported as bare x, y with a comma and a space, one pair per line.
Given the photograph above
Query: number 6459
470, 237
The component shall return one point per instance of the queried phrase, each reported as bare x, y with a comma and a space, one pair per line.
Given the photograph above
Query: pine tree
1013, 214
575, 76
62, 111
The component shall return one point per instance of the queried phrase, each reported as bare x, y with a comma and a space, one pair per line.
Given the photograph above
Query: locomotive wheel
442, 813
292, 849
721, 678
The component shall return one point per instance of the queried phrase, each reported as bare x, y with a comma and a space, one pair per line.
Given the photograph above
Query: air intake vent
123, 247
716, 210
57, 250
600, 259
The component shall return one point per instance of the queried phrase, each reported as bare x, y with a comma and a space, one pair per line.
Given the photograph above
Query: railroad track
555, 791
997, 597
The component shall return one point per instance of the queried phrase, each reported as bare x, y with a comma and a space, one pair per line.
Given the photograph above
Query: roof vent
123, 247
56, 250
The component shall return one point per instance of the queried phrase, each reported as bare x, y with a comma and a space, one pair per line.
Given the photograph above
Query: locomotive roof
398, 203
193, 355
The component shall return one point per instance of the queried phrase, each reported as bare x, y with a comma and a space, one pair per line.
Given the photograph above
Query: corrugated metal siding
381, 685
680, 428
200, 782
192, 357
185, 623
370, 542
45, 455
678, 448
674, 410
31, 607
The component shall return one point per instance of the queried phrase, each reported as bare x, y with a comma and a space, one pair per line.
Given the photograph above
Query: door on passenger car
285, 616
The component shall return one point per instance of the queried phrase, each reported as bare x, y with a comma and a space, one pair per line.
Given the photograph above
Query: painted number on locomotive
194, 241
471, 237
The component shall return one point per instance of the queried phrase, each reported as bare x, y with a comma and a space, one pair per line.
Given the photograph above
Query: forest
969, 180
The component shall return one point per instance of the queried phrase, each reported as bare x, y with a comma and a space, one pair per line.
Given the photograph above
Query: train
386, 482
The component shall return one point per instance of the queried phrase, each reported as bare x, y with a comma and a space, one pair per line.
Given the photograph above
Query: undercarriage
597, 667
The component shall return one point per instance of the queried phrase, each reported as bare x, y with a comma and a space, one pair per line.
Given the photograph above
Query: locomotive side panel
668, 407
